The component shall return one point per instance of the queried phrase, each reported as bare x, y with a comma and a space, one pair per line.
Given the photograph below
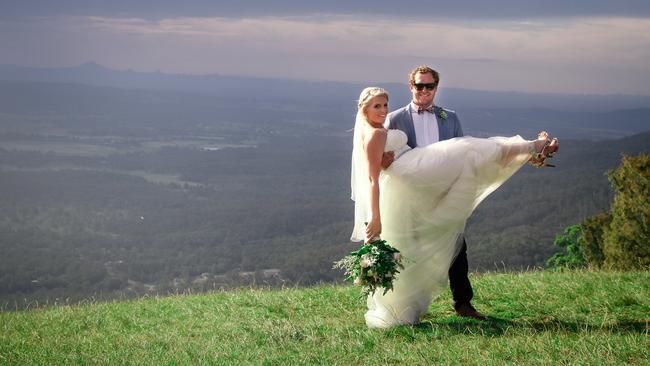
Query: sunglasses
429, 86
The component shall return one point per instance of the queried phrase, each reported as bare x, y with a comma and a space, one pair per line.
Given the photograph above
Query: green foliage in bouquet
375, 264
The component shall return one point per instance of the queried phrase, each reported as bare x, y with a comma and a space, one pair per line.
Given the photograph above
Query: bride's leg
511, 152
524, 148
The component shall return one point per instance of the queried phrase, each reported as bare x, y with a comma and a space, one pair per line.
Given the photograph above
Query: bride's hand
373, 229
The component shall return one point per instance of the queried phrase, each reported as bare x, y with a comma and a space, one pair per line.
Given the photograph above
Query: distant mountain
126, 110
224, 86
335, 93
593, 125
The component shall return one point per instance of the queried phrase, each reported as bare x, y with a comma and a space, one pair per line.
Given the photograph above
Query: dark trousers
461, 289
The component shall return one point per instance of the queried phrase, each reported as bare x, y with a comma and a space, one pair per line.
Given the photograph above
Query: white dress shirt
426, 126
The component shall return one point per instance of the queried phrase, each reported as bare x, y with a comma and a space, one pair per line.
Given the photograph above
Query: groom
424, 123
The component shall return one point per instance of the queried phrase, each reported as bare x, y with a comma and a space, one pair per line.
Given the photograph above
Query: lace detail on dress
396, 141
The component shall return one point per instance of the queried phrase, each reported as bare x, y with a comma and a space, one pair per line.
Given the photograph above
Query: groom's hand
387, 159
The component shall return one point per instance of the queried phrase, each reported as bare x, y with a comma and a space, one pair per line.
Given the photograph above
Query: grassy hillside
535, 318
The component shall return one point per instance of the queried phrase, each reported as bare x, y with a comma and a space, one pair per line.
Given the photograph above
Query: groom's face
423, 97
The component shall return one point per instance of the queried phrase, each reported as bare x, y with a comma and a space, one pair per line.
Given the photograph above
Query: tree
627, 238
572, 257
619, 239
591, 241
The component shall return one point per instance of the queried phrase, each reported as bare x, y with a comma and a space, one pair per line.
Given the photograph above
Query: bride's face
376, 110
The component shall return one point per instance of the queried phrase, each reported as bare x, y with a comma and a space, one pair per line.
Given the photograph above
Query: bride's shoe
550, 147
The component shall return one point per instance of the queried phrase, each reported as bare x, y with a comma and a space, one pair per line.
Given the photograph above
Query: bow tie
422, 110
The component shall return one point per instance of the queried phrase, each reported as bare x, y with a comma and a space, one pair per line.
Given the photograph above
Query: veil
359, 179
359, 182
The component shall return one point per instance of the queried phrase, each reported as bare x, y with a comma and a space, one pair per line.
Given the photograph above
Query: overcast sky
581, 46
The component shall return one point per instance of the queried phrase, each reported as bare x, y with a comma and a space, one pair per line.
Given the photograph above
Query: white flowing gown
426, 196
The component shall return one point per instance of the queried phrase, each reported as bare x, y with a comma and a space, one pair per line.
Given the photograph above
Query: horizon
588, 47
278, 78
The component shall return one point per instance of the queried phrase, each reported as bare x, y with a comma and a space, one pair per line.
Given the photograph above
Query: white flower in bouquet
374, 265
366, 261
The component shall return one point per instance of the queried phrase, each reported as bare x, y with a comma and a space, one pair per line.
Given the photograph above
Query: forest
110, 193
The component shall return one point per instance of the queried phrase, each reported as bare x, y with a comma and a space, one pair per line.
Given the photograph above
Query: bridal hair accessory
538, 159
375, 264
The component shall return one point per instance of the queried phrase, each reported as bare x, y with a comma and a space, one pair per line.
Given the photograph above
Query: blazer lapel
410, 129
443, 133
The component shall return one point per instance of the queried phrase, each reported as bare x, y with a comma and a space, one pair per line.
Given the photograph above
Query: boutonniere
442, 114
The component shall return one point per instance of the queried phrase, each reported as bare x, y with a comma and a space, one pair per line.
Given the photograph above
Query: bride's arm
374, 148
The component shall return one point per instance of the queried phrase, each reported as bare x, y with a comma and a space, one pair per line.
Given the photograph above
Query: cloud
593, 54
406, 9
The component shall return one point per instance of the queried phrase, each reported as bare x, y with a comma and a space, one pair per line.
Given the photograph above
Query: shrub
591, 241
572, 256
627, 238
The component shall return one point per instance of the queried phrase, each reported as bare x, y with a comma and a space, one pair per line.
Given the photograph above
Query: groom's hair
423, 70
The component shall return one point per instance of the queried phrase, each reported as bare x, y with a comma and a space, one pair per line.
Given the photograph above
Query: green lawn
546, 318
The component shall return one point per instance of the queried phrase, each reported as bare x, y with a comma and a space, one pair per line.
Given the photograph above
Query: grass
535, 318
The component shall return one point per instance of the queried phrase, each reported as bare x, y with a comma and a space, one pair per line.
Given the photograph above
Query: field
535, 318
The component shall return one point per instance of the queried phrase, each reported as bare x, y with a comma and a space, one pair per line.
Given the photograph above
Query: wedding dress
426, 196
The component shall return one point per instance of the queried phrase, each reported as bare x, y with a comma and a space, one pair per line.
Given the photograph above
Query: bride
421, 202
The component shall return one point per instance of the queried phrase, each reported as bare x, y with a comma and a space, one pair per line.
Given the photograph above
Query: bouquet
375, 264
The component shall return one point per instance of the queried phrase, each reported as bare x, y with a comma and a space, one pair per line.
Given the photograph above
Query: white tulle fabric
360, 184
426, 196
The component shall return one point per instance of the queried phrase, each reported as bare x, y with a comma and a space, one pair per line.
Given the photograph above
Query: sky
579, 46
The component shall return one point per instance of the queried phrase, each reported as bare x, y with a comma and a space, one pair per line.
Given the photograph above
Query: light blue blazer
401, 119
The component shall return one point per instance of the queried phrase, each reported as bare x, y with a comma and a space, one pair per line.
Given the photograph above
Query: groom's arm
389, 156
387, 159
458, 130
